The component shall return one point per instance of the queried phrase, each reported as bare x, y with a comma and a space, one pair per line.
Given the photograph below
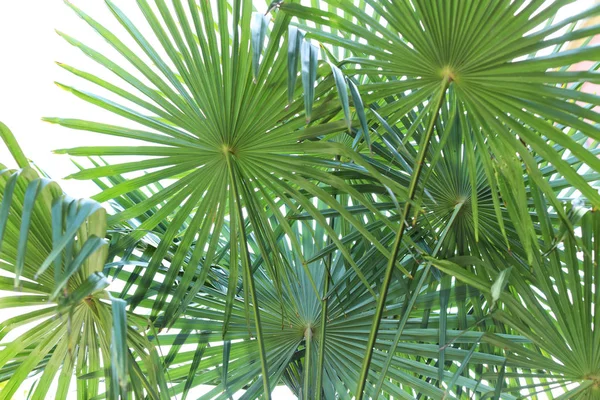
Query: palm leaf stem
247, 265
396, 247
322, 328
411, 303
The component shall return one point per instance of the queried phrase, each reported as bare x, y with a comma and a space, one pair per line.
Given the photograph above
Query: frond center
227, 150
449, 73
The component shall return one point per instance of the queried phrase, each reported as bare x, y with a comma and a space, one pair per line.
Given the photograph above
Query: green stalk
321, 359
324, 301
412, 188
308, 335
248, 271
413, 299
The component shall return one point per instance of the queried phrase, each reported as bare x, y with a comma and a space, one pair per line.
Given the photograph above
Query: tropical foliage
355, 199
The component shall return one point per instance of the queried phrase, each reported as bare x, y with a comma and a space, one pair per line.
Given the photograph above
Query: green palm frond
293, 327
518, 100
521, 103
221, 138
221, 127
288, 166
564, 284
53, 251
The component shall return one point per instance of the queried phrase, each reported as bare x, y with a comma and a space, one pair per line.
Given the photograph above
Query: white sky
29, 47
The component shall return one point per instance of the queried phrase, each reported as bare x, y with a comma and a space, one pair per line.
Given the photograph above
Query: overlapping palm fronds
387, 215
63, 322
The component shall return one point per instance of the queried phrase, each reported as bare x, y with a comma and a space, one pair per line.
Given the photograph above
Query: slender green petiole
308, 339
410, 304
323, 327
247, 266
412, 188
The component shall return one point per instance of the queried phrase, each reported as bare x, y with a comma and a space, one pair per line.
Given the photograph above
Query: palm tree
54, 247
406, 210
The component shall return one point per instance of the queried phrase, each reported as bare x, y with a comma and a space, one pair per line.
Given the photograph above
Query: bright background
29, 48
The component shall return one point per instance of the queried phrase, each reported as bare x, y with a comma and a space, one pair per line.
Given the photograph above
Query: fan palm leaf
564, 284
65, 323
220, 126
520, 101
293, 329
425, 151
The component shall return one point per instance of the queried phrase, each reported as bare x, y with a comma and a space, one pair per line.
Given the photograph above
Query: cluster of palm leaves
357, 199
